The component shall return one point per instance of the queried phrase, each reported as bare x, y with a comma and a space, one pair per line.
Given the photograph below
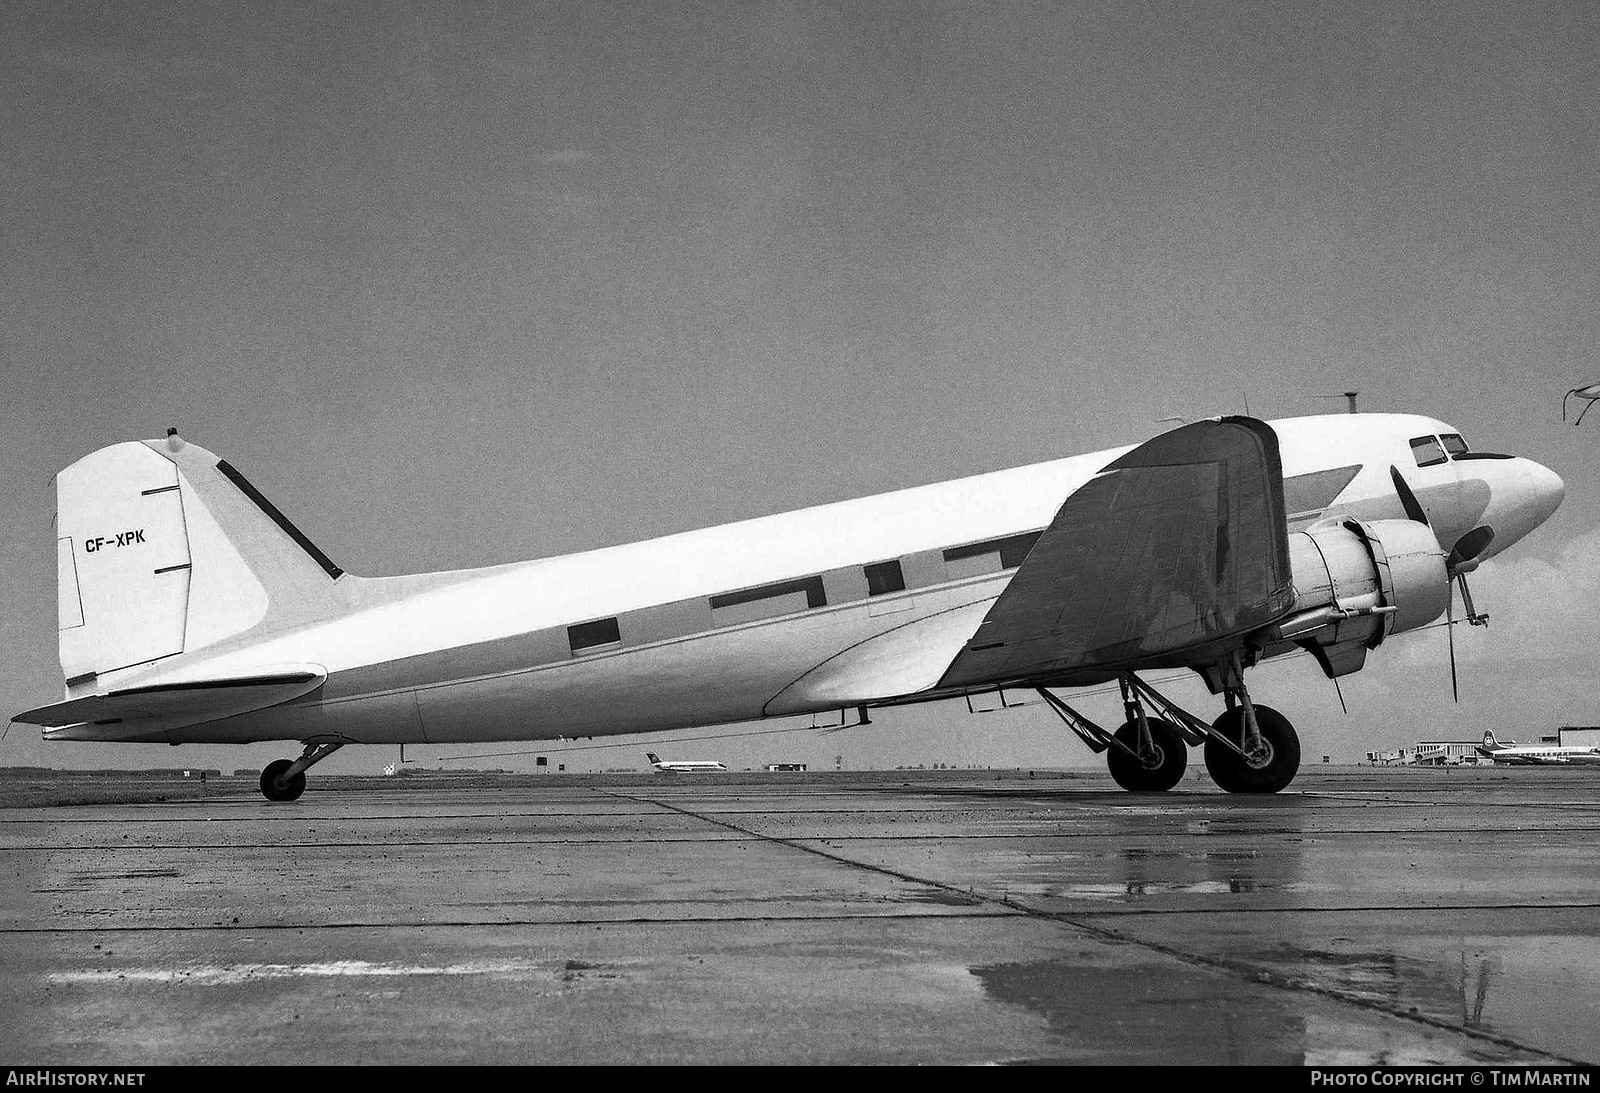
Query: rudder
164, 549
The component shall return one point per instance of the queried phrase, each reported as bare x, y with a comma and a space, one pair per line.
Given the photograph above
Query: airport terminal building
1451, 753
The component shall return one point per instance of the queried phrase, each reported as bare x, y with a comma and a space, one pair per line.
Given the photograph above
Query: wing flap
1179, 545
174, 704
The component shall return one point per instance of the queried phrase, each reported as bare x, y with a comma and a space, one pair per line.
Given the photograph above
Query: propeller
1408, 500
1450, 632
1462, 559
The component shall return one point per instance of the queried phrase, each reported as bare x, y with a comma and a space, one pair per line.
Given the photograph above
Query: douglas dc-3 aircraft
1536, 755
192, 610
683, 766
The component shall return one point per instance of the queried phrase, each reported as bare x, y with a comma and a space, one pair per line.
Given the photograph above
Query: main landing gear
1151, 757
285, 780
1248, 749
1241, 764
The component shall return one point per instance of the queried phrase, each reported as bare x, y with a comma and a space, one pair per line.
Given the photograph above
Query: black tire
1269, 771
274, 790
1158, 770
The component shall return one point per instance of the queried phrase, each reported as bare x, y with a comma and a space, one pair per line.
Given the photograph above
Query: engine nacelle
1356, 582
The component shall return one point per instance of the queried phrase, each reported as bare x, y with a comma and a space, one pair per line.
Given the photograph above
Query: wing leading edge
1165, 558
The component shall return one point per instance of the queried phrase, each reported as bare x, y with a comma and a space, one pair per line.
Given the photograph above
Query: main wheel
1269, 768
1159, 767
277, 788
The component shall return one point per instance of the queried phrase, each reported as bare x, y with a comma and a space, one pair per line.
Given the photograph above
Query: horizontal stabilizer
174, 705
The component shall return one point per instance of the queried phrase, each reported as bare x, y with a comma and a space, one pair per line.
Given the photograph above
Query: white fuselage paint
453, 657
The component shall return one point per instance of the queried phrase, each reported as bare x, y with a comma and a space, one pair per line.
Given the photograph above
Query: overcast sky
458, 284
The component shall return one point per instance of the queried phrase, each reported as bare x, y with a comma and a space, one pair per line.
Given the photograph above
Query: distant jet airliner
1536, 755
192, 610
683, 766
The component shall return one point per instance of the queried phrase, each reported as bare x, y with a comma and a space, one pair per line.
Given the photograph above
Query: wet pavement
1400, 916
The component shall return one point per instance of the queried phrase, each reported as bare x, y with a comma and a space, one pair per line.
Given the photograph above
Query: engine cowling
1356, 582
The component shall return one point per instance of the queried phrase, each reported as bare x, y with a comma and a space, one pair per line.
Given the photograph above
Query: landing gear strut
1152, 756
1152, 765
1266, 765
1248, 749
1147, 754
285, 780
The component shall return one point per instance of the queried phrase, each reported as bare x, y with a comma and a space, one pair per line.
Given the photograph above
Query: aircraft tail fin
162, 549
1488, 739
650, 755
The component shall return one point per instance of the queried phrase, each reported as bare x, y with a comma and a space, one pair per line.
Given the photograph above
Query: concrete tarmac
1366, 915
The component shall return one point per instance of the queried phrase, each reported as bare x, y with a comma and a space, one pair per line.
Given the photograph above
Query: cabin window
1427, 450
1453, 444
989, 556
593, 635
768, 601
884, 577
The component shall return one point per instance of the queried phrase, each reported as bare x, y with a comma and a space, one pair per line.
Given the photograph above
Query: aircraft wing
170, 705
1165, 558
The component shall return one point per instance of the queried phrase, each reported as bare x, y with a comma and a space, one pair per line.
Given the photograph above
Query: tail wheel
1269, 767
275, 787
1158, 767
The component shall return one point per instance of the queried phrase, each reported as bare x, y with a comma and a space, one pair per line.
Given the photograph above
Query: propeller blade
1473, 618
1408, 500
1450, 629
1468, 547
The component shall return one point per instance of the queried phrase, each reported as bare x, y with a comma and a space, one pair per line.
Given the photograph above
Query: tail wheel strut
285, 780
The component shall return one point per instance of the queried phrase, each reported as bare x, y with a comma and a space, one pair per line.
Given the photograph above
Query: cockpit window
1427, 450
1454, 444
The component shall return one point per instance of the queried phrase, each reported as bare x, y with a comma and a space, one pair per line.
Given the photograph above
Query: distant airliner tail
1488, 739
162, 549
650, 755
